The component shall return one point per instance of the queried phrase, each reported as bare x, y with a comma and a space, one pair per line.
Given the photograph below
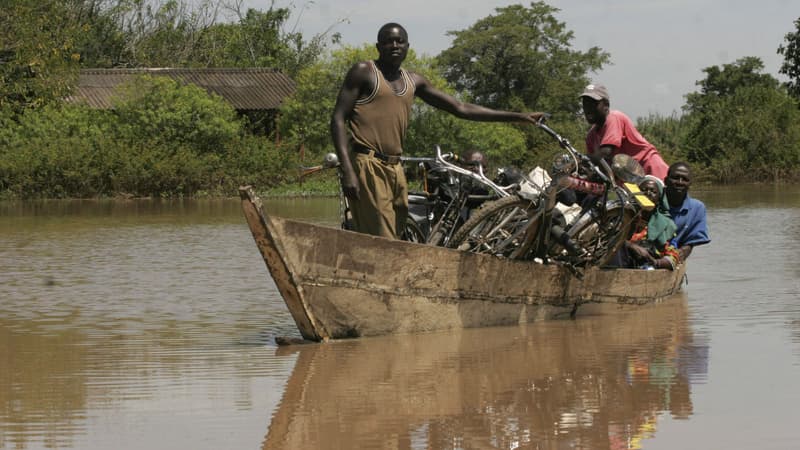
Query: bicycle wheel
496, 228
412, 232
602, 239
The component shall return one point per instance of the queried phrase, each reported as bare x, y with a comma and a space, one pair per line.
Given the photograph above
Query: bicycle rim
496, 228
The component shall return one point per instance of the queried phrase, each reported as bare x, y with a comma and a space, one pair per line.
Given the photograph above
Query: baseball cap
595, 91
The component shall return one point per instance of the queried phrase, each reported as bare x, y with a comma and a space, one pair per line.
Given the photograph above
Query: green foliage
257, 161
164, 110
254, 41
750, 134
182, 33
38, 63
101, 43
164, 138
149, 149
502, 143
520, 59
51, 151
740, 126
790, 50
722, 82
667, 134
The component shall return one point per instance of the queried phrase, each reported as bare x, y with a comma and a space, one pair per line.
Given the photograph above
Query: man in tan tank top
371, 116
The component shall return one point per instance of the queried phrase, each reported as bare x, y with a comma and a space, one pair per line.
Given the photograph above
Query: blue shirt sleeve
692, 228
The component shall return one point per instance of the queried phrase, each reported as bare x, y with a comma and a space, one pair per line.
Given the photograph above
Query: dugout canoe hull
340, 284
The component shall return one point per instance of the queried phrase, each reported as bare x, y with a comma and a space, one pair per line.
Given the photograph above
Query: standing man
613, 132
689, 214
375, 101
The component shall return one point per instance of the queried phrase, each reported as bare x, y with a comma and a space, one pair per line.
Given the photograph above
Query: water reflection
596, 382
40, 393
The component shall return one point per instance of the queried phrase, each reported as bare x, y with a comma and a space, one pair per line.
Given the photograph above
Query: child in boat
650, 247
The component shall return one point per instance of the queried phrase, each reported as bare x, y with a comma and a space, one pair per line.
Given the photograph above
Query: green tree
52, 151
790, 50
38, 61
752, 134
724, 81
742, 125
177, 33
162, 33
520, 58
162, 139
719, 84
261, 39
502, 143
101, 44
255, 40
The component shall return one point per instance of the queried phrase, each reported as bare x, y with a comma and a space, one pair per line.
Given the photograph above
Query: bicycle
449, 192
539, 228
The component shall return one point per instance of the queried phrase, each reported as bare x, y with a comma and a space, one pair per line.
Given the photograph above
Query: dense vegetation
163, 138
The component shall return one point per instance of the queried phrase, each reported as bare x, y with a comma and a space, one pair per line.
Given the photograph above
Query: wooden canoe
341, 284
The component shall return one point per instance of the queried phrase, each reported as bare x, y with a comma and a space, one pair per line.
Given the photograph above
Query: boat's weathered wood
270, 249
342, 284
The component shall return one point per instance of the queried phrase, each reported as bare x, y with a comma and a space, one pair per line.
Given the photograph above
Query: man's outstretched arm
469, 111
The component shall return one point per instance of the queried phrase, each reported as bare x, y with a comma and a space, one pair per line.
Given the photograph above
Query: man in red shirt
613, 132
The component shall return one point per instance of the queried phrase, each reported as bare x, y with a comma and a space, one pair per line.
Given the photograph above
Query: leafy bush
54, 151
666, 133
165, 140
751, 134
164, 111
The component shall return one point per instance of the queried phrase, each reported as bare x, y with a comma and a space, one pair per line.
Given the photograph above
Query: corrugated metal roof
253, 88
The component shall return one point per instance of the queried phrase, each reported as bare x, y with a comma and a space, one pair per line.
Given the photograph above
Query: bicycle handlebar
601, 169
480, 176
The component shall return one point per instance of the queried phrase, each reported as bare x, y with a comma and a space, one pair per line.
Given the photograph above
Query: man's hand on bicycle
536, 118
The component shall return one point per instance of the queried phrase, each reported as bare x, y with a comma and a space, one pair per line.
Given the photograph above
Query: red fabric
618, 131
668, 250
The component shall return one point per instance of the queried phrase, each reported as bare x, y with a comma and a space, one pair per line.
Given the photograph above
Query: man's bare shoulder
360, 69
360, 76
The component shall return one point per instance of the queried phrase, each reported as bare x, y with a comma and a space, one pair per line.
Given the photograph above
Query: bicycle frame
444, 218
541, 233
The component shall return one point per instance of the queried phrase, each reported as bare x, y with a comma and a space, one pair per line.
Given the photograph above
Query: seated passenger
688, 213
650, 247
474, 158
475, 161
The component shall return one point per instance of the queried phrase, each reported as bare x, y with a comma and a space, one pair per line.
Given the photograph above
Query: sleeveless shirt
379, 120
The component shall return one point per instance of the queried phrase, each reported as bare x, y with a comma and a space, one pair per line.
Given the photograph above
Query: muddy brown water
151, 325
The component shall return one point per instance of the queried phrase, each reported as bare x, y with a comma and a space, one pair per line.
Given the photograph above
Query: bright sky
658, 47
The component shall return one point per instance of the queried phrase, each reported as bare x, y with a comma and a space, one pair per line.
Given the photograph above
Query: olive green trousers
382, 206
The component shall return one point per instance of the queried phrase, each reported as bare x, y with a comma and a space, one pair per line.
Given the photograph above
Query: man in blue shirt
689, 214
